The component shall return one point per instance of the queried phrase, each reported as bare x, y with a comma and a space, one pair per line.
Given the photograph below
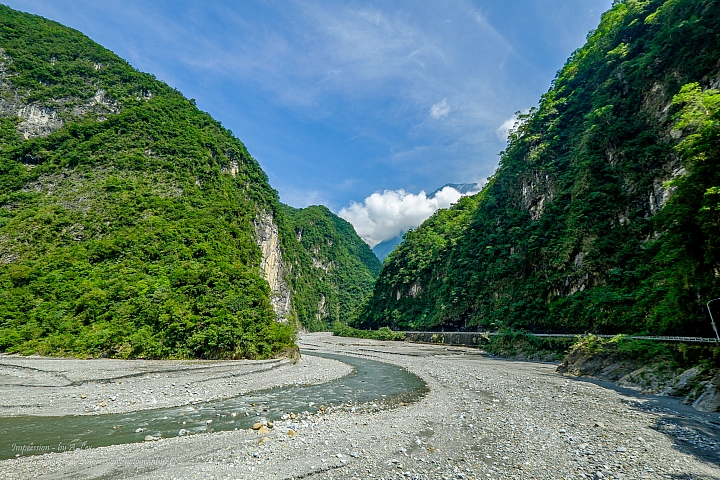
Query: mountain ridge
344, 268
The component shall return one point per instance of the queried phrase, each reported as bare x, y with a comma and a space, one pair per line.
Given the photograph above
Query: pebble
122, 396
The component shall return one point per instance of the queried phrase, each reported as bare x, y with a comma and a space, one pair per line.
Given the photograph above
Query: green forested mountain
342, 266
385, 248
604, 213
131, 223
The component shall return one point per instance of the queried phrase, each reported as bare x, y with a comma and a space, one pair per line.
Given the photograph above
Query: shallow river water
370, 381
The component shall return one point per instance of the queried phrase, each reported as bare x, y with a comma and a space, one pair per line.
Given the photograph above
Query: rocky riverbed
482, 418
65, 386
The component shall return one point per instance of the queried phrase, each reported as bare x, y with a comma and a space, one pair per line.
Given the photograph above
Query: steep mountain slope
131, 223
338, 268
603, 214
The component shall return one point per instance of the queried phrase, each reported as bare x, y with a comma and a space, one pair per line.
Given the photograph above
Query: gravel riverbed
482, 418
66, 386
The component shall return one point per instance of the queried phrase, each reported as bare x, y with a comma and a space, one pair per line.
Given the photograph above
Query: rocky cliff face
274, 268
41, 118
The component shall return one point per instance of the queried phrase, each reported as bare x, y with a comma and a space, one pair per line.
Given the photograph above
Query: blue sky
340, 99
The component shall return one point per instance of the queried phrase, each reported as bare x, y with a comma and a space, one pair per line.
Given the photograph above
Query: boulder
709, 401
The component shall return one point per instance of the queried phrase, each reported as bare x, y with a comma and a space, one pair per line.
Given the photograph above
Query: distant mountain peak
464, 188
385, 248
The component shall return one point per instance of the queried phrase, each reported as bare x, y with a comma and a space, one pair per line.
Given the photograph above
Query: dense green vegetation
336, 269
523, 345
383, 333
412, 260
127, 217
676, 355
603, 214
123, 236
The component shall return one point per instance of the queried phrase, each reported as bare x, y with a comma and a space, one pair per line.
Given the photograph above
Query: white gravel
66, 386
483, 418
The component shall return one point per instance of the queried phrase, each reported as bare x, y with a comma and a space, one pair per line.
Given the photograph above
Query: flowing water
370, 381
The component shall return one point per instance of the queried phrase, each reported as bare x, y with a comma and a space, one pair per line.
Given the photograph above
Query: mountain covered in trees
341, 267
134, 225
604, 213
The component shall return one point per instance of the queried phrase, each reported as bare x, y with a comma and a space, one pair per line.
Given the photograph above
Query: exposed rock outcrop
709, 400
39, 120
537, 190
272, 265
696, 385
322, 309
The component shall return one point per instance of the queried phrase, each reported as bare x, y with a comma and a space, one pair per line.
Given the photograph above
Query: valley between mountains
159, 301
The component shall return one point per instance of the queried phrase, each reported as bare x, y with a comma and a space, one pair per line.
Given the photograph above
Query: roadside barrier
475, 338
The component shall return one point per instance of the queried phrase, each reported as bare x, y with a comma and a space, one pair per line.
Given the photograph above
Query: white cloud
446, 197
440, 109
509, 125
385, 215
504, 130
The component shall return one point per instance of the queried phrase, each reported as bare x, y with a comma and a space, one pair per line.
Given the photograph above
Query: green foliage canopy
122, 232
335, 269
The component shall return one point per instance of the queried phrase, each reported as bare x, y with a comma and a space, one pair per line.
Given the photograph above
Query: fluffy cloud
440, 109
385, 215
504, 129
511, 124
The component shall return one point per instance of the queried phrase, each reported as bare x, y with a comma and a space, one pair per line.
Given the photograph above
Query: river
370, 381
